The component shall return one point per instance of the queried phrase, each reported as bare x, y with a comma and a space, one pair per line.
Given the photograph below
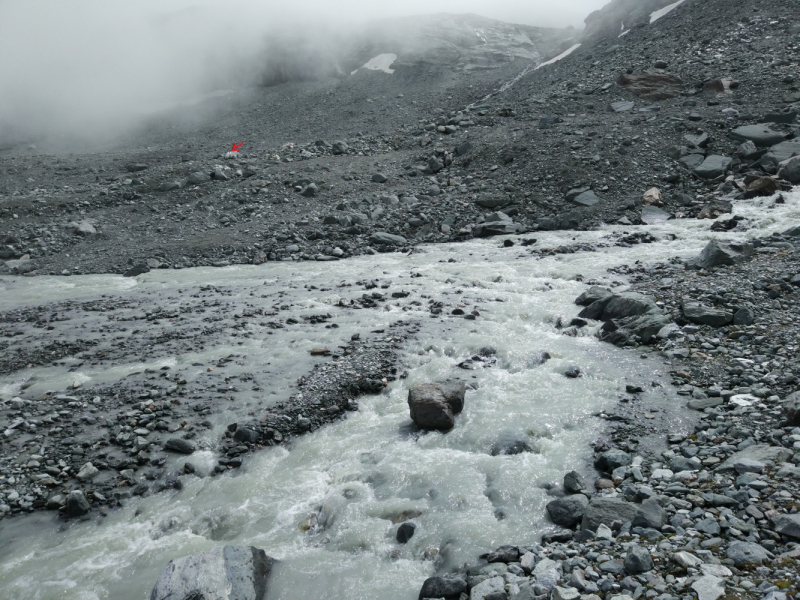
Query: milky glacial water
357, 475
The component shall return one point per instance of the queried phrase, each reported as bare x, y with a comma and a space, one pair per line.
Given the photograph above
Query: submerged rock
234, 572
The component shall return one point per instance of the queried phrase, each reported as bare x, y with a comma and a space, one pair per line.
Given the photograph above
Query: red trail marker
236, 147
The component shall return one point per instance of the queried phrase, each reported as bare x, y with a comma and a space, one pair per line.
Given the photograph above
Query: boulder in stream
235, 572
434, 405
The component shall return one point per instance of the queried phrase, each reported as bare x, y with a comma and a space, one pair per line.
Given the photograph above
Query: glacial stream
357, 475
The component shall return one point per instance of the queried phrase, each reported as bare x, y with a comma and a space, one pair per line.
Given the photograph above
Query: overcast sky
89, 64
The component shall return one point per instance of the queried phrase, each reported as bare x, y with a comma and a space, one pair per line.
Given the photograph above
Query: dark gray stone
449, 587
744, 316
593, 294
638, 560
567, 511
76, 504
713, 166
379, 178
588, 198
718, 253
199, 177
406, 531
612, 459
790, 170
574, 482
705, 315
760, 135
388, 239
788, 525
434, 405
180, 446
607, 510
504, 554
650, 515
240, 572
791, 408
619, 306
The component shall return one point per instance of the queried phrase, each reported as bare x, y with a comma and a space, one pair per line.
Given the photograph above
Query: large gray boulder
443, 586
791, 408
593, 294
783, 151
229, 572
763, 453
607, 510
612, 459
718, 253
788, 525
705, 315
650, 515
713, 166
567, 511
645, 327
619, 306
760, 135
790, 170
744, 553
434, 405
389, 239
638, 560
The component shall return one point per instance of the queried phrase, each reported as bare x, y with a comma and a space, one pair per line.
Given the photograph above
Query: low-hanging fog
91, 69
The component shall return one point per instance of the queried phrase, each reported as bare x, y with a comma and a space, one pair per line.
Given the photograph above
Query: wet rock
567, 511
574, 482
593, 294
504, 554
508, 444
638, 560
137, 270
180, 446
572, 372
619, 306
764, 453
76, 504
651, 215
714, 210
434, 405
718, 253
606, 511
449, 587
240, 572
612, 459
790, 170
405, 532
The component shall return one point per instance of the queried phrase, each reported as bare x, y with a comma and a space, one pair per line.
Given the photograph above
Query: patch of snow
382, 62
656, 15
626, 32
559, 57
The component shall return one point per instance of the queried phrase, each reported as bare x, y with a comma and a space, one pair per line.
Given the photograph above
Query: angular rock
180, 446
705, 315
652, 215
240, 572
488, 587
788, 525
718, 253
567, 511
790, 170
433, 405
198, 177
764, 453
638, 560
791, 409
76, 504
619, 306
504, 554
607, 510
650, 515
760, 135
448, 587
388, 239
565, 593
744, 316
713, 166
593, 294
709, 587
405, 532
612, 459
84, 228
745, 553
574, 482
587, 198
652, 197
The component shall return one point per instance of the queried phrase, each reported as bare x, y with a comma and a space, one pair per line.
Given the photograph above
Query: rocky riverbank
713, 513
